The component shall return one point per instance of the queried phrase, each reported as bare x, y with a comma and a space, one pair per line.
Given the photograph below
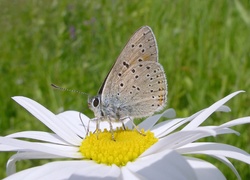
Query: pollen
128, 145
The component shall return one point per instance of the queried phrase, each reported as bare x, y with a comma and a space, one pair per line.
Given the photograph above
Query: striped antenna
65, 89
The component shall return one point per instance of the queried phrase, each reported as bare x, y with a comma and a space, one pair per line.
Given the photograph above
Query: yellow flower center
128, 145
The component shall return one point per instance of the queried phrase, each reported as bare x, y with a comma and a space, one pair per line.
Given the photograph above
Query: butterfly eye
95, 102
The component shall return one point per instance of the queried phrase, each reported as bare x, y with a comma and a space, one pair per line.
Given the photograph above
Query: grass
204, 47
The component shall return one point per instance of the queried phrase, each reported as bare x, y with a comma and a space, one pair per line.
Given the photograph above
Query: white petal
49, 119
128, 174
204, 170
229, 164
235, 122
11, 164
207, 112
216, 149
176, 140
4, 147
106, 125
172, 125
166, 127
64, 151
224, 108
165, 165
225, 131
39, 135
99, 171
74, 120
21, 175
69, 170
150, 121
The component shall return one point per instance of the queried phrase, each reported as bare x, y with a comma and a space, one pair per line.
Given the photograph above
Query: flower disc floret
127, 146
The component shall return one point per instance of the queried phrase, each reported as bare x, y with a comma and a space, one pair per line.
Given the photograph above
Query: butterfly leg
136, 127
97, 129
123, 126
87, 130
111, 129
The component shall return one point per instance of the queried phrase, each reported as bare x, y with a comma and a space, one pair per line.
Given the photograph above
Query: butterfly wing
136, 85
141, 91
142, 46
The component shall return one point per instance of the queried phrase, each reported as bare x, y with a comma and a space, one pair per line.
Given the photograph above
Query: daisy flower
160, 154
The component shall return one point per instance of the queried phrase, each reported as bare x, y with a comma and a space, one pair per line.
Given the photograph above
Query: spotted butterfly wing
136, 85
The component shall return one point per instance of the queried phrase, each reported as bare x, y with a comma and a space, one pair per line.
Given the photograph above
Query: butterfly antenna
65, 89
82, 122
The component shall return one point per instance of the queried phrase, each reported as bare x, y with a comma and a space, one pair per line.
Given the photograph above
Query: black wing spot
119, 74
140, 65
126, 64
121, 84
133, 70
132, 45
148, 67
143, 50
138, 88
136, 77
139, 60
140, 45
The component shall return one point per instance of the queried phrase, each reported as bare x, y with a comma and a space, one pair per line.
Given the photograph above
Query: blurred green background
204, 47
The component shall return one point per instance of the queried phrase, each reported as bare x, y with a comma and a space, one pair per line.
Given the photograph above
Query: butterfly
136, 85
